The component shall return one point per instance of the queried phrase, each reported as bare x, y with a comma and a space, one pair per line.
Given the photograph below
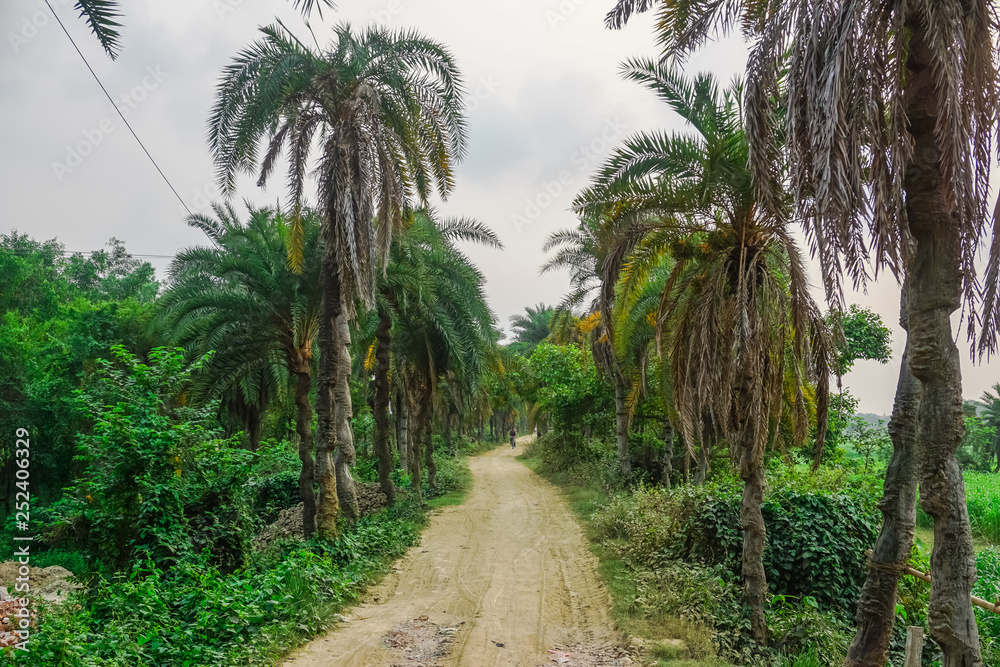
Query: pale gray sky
547, 105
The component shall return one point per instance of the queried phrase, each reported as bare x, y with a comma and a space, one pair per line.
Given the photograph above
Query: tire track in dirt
503, 578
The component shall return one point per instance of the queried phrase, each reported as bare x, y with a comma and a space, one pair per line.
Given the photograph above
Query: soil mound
289, 522
50, 583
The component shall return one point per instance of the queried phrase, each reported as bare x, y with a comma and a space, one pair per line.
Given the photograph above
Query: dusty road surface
505, 579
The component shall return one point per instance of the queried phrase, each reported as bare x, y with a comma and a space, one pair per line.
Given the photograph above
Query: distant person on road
513, 434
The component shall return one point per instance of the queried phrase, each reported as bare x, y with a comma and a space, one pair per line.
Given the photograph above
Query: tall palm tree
587, 253
989, 404
241, 299
384, 110
638, 296
446, 329
411, 290
735, 310
889, 125
531, 327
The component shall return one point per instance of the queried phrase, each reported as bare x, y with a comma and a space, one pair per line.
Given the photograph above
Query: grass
454, 477
670, 641
982, 493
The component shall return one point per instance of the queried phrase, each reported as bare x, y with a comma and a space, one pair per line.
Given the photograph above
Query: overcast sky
546, 106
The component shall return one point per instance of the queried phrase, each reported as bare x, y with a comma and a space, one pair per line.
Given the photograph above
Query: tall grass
982, 493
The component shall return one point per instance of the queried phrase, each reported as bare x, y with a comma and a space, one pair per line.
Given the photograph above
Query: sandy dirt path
503, 579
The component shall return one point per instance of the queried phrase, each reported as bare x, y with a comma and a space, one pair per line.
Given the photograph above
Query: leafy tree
385, 109
131, 498
240, 299
735, 308
113, 276
865, 337
869, 440
51, 333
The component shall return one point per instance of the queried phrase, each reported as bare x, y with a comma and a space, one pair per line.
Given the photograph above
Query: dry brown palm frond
846, 132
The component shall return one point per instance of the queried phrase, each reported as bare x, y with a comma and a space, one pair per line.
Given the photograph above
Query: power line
96, 78
26, 252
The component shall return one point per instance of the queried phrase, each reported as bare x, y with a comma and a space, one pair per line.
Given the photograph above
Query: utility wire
28, 252
96, 78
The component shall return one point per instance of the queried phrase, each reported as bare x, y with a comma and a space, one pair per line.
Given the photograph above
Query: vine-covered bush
816, 537
194, 614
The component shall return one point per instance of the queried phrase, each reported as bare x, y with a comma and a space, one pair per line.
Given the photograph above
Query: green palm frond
102, 17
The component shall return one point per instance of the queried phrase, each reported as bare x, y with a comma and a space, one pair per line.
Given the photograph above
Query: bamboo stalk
979, 602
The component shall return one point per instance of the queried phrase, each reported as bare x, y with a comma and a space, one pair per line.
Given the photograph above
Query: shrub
194, 614
815, 539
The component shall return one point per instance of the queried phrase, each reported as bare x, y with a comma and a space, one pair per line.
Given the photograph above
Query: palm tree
989, 404
444, 329
241, 299
102, 18
385, 110
411, 290
637, 305
531, 327
890, 123
735, 310
587, 252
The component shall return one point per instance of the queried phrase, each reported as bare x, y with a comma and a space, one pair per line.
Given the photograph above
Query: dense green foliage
59, 315
195, 614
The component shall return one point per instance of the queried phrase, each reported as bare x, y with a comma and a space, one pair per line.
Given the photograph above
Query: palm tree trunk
668, 452
877, 604
446, 419
704, 453
327, 508
345, 456
416, 440
429, 440
381, 437
303, 426
402, 426
751, 449
621, 428
935, 272
253, 428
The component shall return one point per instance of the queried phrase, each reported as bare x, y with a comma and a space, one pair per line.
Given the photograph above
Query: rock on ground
49, 583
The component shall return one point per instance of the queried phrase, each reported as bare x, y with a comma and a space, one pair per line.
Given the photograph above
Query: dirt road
505, 579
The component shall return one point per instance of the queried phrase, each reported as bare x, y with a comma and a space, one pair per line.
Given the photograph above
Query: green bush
582, 460
193, 614
816, 539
